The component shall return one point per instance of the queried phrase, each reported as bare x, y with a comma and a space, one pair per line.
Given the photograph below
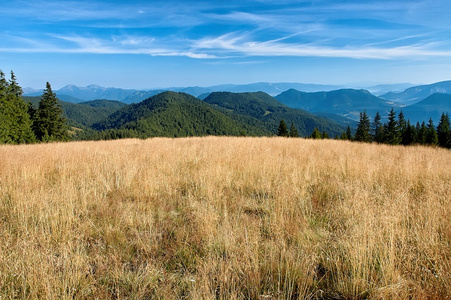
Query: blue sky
150, 44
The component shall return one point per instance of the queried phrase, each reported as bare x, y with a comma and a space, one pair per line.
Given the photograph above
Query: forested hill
268, 110
175, 114
86, 113
345, 102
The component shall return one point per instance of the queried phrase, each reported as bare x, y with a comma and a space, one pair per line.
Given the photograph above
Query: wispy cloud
201, 29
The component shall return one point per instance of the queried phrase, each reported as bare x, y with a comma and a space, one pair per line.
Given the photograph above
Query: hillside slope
417, 93
431, 107
267, 109
85, 113
346, 102
174, 115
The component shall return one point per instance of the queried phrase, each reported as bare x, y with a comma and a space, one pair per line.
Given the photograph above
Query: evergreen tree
349, 133
15, 123
316, 134
282, 130
343, 136
293, 131
324, 135
363, 129
378, 129
402, 124
391, 130
410, 135
431, 136
422, 132
5, 122
49, 123
444, 131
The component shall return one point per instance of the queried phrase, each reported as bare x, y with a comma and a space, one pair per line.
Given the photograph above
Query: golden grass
224, 218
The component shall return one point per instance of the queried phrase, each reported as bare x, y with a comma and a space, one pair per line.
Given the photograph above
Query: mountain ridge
344, 102
415, 94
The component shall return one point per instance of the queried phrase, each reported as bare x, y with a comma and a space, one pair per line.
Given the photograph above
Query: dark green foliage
176, 115
444, 131
293, 131
84, 114
15, 123
348, 133
282, 130
402, 124
422, 132
316, 134
48, 121
402, 132
363, 133
391, 130
378, 129
267, 110
410, 135
431, 136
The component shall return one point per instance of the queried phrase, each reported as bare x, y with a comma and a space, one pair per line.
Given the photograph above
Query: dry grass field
224, 218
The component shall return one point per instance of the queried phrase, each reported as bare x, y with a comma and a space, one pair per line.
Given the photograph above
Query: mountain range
75, 94
176, 114
343, 106
415, 94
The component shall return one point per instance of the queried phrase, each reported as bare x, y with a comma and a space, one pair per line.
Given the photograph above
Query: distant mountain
32, 92
382, 89
431, 107
203, 92
139, 96
346, 102
75, 94
268, 110
93, 91
174, 114
417, 93
270, 88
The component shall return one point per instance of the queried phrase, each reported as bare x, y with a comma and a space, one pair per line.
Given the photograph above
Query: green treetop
15, 123
282, 130
49, 123
363, 133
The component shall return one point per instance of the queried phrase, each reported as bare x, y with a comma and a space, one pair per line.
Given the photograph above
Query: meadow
224, 218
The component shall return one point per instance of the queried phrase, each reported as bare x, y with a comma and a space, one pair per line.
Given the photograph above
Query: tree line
396, 131
399, 131
21, 123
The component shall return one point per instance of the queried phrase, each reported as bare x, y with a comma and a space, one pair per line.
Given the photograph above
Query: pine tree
378, 129
5, 121
444, 131
391, 129
349, 133
316, 134
363, 129
402, 124
410, 134
422, 132
282, 130
293, 130
49, 123
15, 123
431, 136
